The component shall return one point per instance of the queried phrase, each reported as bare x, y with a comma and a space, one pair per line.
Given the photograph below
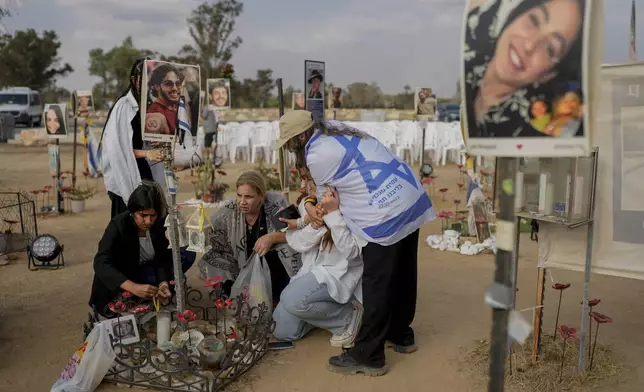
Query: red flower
85, 173
427, 180
186, 316
228, 302
480, 219
560, 286
63, 177
140, 309
212, 187
119, 306
98, 172
214, 282
601, 318
171, 283
293, 171
592, 302
567, 332
65, 189
219, 303
193, 182
126, 294
35, 191
460, 185
457, 201
443, 190
460, 166
54, 176
445, 214
275, 171
45, 190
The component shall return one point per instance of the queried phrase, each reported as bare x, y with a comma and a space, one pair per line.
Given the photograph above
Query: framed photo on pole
314, 87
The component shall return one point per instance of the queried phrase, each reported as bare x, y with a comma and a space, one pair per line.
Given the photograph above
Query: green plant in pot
78, 196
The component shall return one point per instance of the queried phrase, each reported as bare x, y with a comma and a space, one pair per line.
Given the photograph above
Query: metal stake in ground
283, 169
74, 147
179, 278
499, 296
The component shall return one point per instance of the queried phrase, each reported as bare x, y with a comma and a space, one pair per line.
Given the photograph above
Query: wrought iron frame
142, 364
23, 203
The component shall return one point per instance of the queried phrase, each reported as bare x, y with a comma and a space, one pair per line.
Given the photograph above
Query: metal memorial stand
74, 108
60, 208
569, 223
283, 162
499, 295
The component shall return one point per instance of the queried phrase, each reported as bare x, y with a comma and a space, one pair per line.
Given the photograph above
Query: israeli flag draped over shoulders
381, 199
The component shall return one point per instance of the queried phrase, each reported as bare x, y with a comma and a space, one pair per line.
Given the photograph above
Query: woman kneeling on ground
327, 292
243, 226
133, 254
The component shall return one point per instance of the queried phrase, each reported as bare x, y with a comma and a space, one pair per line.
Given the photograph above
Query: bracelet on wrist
309, 200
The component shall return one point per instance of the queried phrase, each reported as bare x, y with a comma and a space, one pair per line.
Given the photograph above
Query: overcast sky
391, 42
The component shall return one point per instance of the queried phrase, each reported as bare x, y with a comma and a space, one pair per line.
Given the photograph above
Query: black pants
389, 283
118, 205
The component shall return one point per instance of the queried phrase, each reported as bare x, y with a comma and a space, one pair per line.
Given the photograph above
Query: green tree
29, 60
212, 27
363, 95
113, 68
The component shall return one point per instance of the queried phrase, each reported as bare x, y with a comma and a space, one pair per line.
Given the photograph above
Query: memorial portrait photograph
55, 120
218, 94
170, 94
524, 76
84, 103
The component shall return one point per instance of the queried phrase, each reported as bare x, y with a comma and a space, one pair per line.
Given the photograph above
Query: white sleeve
319, 164
349, 245
303, 240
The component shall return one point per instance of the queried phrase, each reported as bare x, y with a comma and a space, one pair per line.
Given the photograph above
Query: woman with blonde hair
327, 292
243, 226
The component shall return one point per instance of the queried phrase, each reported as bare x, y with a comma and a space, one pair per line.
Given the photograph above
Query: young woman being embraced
326, 293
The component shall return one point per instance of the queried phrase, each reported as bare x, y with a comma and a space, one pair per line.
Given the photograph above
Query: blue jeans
187, 259
306, 304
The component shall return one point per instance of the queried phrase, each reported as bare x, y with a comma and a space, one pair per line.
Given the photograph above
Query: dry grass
543, 376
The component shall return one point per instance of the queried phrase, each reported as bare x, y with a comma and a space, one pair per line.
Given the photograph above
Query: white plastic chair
262, 138
240, 140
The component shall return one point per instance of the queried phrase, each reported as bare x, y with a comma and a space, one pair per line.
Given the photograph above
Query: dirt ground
41, 312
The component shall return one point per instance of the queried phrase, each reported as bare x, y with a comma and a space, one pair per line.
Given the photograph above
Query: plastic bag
89, 365
254, 281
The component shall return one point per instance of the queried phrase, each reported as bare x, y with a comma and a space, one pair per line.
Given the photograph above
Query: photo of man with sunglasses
166, 87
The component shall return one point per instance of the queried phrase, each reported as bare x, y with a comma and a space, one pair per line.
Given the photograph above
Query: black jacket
117, 259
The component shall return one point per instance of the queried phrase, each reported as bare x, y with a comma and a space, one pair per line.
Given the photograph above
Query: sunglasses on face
170, 83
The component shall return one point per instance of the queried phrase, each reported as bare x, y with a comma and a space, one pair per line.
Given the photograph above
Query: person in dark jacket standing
133, 254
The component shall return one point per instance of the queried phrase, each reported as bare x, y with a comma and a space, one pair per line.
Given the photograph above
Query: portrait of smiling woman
517, 53
55, 120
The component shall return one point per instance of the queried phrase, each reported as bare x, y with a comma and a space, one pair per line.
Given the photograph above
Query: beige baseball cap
292, 124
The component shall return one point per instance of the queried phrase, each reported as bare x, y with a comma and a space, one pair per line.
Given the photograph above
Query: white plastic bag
254, 281
89, 365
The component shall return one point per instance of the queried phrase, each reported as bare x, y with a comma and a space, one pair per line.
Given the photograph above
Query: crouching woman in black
133, 254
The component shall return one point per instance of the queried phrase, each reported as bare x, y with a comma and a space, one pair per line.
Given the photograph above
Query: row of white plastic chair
443, 140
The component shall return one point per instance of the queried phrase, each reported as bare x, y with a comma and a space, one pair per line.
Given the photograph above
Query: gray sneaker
346, 338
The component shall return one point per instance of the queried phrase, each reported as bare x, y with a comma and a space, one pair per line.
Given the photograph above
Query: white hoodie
340, 267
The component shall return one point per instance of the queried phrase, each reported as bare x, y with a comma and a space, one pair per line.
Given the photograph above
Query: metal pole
495, 185
283, 170
75, 138
422, 148
588, 265
503, 274
59, 194
179, 278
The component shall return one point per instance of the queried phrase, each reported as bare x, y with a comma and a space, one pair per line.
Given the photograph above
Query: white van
23, 104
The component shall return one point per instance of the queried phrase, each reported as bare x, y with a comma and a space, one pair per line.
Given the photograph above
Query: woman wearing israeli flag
383, 203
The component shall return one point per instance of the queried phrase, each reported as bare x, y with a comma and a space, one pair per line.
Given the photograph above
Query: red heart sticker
519, 146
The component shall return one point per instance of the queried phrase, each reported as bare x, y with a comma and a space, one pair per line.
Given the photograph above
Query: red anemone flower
560, 286
601, 318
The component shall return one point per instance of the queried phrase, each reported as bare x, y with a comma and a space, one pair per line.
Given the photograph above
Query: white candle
163, 327
518, 193
550, 198
543, 185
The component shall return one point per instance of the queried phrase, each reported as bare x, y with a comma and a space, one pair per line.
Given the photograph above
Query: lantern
183, 235
199, 228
